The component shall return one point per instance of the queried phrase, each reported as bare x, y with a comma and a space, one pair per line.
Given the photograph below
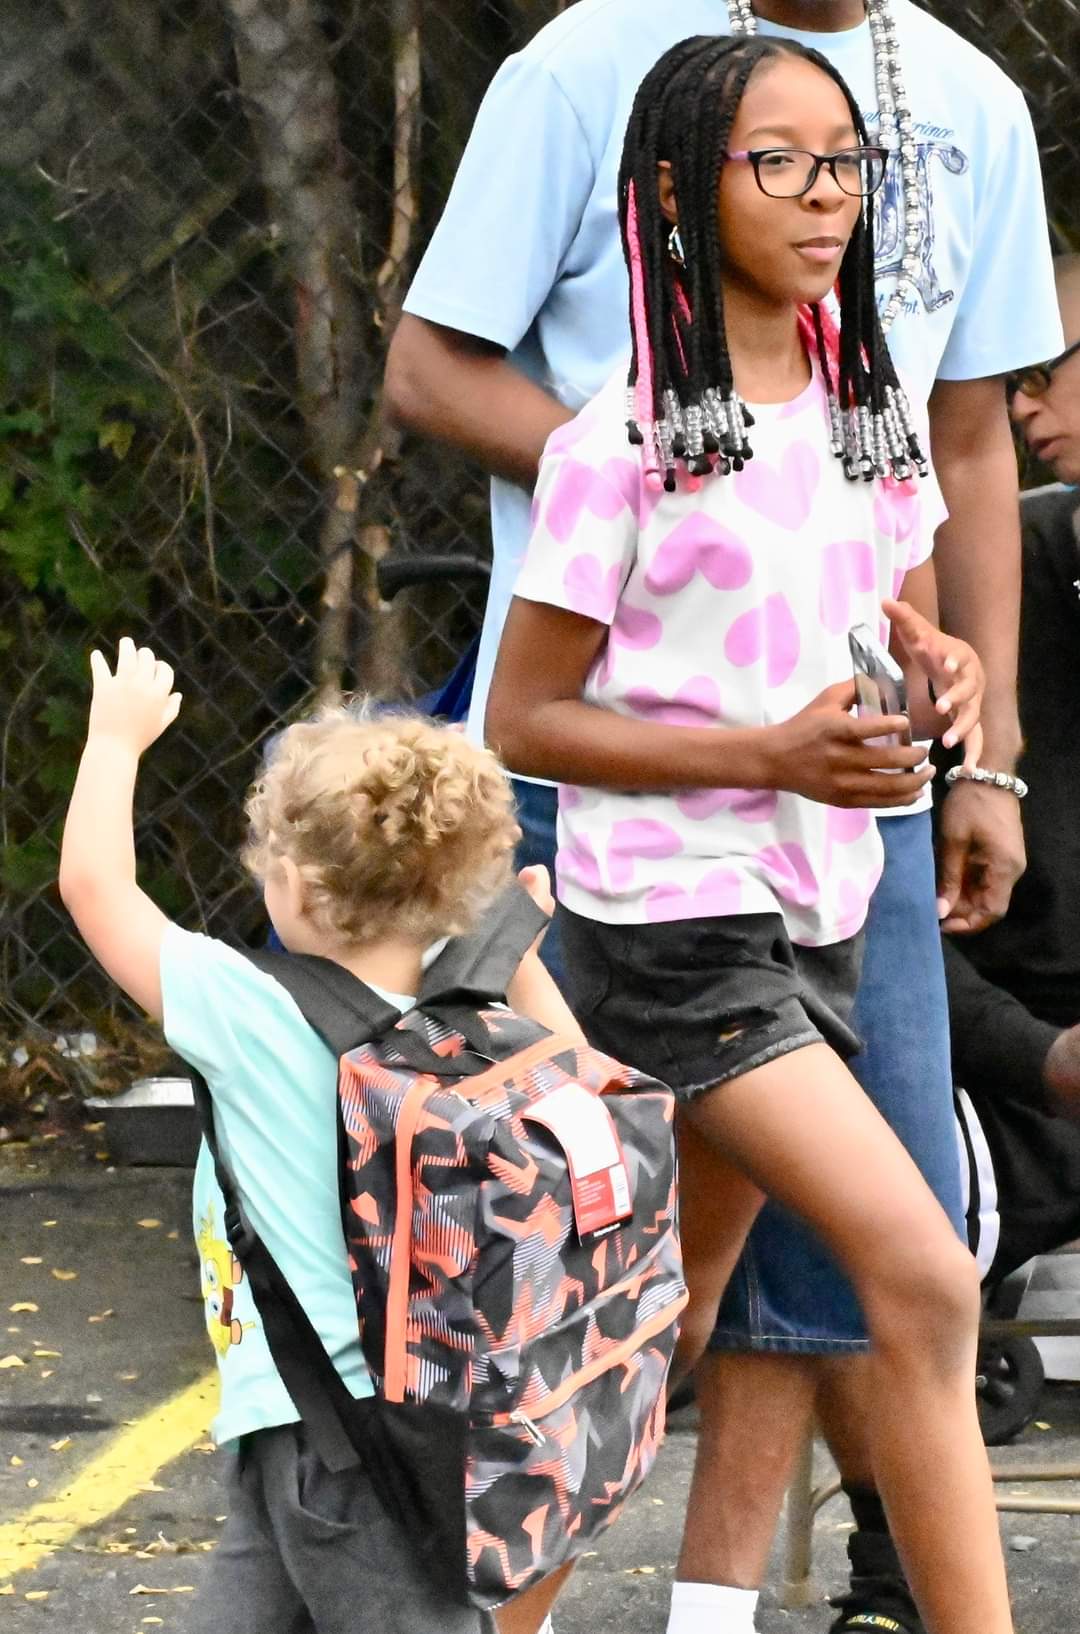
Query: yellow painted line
107, 1482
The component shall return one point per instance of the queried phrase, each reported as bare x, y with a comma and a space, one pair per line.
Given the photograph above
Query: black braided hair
683, 113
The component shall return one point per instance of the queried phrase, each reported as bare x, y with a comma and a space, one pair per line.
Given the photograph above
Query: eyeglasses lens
787, 173
1032, 382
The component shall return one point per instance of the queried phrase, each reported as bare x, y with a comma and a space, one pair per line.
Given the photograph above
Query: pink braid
829, 331
643, 398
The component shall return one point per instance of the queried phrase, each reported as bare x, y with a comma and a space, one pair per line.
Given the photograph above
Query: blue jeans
787, 1293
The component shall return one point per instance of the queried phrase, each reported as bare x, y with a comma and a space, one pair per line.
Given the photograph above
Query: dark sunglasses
1035, 380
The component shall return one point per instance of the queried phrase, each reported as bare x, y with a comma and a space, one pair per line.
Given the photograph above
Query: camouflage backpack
508, 1200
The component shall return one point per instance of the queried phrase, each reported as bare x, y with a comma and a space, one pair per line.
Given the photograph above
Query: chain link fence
209, 214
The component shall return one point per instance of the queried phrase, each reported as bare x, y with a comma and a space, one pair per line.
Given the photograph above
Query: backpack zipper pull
535, 1435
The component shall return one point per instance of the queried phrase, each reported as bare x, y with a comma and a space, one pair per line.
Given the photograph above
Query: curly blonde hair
395, 824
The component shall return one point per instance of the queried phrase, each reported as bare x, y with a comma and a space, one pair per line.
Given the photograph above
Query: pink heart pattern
699, 545
789, 867
576, 863
579, 488
634, 627
635, 837
697, 703
770, 629
784, 496
593, 590
749, 805
727, 603
848, 567
717, 892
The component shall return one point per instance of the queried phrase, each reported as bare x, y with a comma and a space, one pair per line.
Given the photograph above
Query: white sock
709, 1608
546, 1627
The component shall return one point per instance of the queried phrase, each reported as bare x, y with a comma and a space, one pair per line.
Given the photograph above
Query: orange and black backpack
508, 1200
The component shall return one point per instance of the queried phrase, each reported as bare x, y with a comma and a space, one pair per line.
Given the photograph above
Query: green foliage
73, 399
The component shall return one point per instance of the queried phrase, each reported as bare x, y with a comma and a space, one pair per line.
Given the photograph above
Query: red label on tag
585, 1129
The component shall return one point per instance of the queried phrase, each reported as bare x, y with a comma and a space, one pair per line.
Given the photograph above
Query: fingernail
942, 907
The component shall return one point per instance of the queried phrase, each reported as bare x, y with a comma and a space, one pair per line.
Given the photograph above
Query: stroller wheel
1009, 1379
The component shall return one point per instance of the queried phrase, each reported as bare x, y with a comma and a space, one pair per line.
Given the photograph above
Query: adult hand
825, 753
134, 705
954, 671
980, 856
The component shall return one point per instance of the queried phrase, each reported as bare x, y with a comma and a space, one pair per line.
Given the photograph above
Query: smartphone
879, 683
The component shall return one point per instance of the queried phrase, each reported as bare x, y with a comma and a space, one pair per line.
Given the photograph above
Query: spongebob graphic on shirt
221, 1274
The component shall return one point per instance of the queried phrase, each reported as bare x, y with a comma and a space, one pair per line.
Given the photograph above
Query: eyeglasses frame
1043, 372
754, 157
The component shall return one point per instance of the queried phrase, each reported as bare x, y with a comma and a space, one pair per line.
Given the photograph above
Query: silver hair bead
673, 414
866, 443
881, 450
836, 428
694, 421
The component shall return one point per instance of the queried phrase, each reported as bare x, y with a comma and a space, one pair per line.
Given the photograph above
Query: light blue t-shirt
274, 1088
528, 255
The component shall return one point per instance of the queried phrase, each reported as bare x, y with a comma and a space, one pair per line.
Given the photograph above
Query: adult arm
977, 556
511, 217
998, 1046
460, 389
1006, 317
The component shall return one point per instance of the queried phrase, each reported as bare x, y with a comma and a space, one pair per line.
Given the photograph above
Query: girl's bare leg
803, 1131
717, 1207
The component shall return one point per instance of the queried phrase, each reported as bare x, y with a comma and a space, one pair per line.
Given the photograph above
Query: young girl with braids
676, 657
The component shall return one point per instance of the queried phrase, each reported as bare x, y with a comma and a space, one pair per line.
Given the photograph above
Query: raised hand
134, 704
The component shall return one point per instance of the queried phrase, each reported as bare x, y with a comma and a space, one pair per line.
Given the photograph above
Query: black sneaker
878, 1601
859, 1617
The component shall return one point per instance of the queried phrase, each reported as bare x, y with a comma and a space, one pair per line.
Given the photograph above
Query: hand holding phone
879, 683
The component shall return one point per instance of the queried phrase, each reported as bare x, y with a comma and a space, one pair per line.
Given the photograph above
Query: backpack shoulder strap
337, 1005
481, 964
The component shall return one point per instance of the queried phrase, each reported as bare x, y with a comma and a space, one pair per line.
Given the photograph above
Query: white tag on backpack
585, 1129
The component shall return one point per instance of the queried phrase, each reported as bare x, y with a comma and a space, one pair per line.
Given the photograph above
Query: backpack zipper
576, 1381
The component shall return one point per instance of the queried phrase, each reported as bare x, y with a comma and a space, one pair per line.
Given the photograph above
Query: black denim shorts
695, 1002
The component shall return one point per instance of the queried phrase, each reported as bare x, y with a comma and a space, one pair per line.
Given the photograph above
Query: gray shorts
305, 1551
696, 1002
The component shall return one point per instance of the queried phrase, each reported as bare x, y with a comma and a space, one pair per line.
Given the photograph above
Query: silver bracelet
997, 780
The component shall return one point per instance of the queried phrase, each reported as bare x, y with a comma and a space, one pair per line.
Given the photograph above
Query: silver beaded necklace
896, 132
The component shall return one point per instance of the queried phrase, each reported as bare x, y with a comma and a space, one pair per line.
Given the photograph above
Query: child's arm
539, 723
532, 991
926, 654
116, 919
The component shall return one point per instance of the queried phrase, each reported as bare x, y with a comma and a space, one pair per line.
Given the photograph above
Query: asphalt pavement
109, 1497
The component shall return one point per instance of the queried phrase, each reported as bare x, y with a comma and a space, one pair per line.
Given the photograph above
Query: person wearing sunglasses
1044, 399
1014, 991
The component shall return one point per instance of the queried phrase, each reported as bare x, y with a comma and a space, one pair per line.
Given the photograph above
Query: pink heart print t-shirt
726, 607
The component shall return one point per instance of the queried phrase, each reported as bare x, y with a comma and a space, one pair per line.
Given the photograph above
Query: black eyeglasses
788, 173
1034, 381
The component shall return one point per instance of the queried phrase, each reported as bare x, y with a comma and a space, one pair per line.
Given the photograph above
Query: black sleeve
998, 1046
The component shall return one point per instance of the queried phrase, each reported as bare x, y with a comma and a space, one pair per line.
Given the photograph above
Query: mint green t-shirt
274, 1088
